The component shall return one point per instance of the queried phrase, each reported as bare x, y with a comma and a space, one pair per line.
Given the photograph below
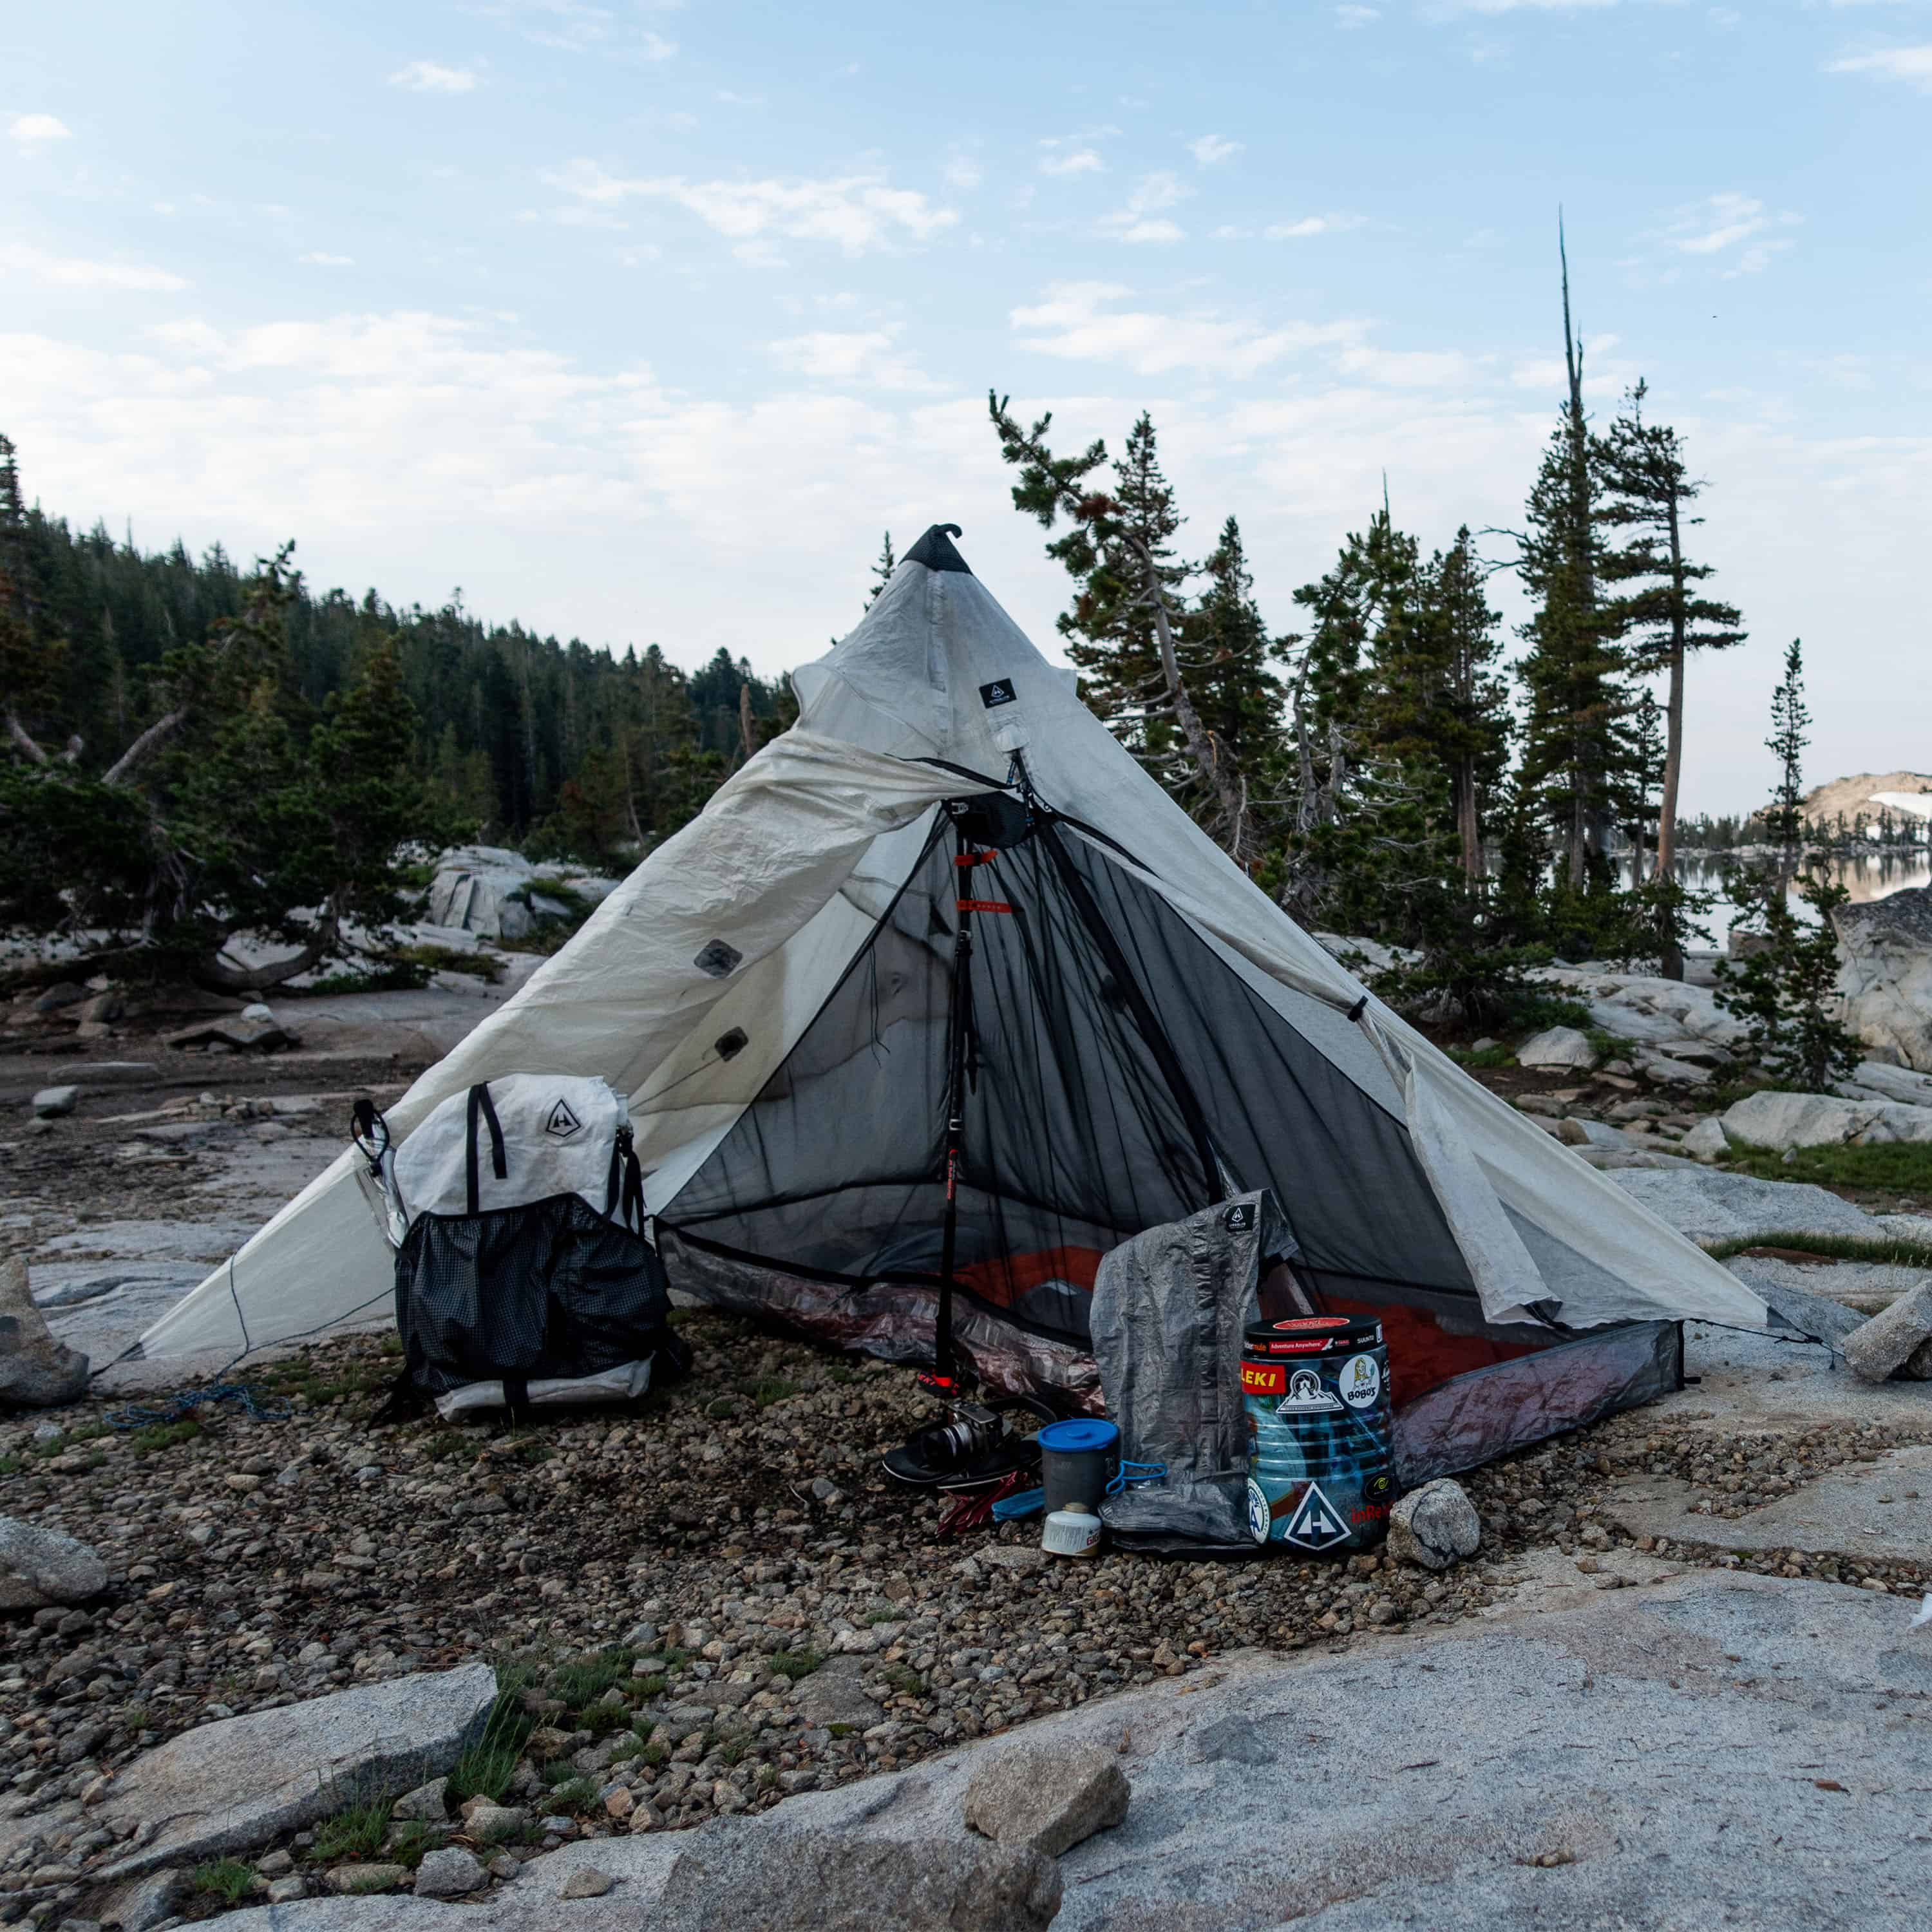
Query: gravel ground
697, 1607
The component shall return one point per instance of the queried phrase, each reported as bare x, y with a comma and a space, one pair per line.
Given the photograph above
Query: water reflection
1874, 875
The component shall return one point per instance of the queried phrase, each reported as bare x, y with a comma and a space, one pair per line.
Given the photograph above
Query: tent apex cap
934, 549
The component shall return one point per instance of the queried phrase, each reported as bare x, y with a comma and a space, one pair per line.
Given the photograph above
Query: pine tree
1441, 710
1124, 625
1647, 489
1227, 657
1790, 732
882, 571
1572, 672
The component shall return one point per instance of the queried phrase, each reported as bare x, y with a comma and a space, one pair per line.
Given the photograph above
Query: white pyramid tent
1140, 1031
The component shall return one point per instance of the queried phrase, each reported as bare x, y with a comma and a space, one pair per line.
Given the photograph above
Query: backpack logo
1000, 692
563, 1123
1240, 1218
1315, 1525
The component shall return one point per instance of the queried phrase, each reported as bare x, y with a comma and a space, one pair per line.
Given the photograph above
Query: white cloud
1410, 369
864, 357
1077, 322
1310, 225
1073, 161
656, 47
425, 77
962, 172
72, 271
1725, 221
1912, 65
1141, 220
1210, 150
315, 258
36, 130
857, 211
1448, 7
1352, 16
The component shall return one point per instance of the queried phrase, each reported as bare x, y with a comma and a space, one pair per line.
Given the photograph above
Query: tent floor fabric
739, 1546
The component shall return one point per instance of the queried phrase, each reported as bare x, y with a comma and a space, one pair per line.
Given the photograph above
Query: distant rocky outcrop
498, 894
1864, 794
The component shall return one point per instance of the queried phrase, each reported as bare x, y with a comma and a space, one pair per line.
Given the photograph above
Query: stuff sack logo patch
1315, 1524
563, 1123
1240, 1218
1000, 692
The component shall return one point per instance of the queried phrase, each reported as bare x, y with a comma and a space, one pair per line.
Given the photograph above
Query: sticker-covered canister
1320, 1475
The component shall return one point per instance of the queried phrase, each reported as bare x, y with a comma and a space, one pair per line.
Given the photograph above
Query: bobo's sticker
1361, 1380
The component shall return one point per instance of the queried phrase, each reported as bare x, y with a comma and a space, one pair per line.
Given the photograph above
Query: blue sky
642, 322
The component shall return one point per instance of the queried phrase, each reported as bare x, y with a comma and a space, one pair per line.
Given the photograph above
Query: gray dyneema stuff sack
1169, 1306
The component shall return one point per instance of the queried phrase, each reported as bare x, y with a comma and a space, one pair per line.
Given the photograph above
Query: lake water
1871, 876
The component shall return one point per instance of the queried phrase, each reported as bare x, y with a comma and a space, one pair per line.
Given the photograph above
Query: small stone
493, 1823
1706, 1141
586, 1882
359, 1878
1048, 1797
619, 1802
1435, 1525
449, 1873
51, 1103
1559, 1047
276, 1864
36, 1371
426, 1804
286, 1890
503, 1866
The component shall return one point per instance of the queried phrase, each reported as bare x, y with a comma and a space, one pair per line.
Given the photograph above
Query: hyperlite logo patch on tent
1000, 692
563, 1123
1315, 1525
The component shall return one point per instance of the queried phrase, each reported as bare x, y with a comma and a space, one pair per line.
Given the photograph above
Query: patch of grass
839, 1373
411, 1840
655, 1752
601, 1719
574, 1795
479, 965
906, 1681
486, 1768
648, 1687
885, 1616
1610, 1045
357, 1831
1834, 1247
1902, 1167
389, 975
161, 1436
842, 1730
795, 1664
1536, 1012
228, 1880
585, 1678
769, 1389
634, 1746
1490, 1058
732, 1751
12, 1465
675, 1659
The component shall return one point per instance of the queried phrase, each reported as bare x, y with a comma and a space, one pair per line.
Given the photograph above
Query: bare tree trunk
1673, 725
211, 973
747, 730
28, 749
1467, 828
117, 772
1230, 796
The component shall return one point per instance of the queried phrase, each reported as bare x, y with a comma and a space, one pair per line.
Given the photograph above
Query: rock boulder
231, 1785
1435, 1526
1888, 1341
1050, 1797
1781, 1121
1561, 1048
41, 1567
1885, 974
36, 1371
